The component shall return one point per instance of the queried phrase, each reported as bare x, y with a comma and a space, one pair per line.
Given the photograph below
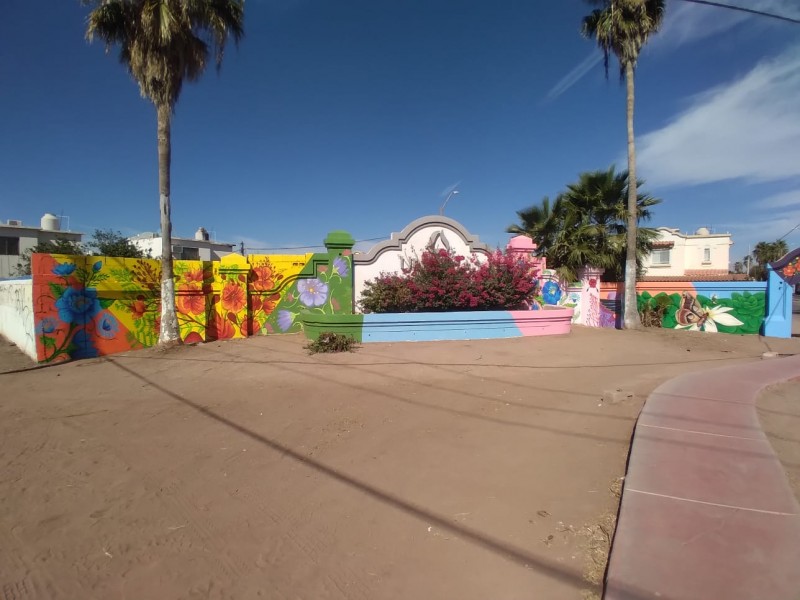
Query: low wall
712, 306
87, 306
428, 327
16, 314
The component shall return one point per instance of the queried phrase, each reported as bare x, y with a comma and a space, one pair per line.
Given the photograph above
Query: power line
752, 11
788, 232
375, 239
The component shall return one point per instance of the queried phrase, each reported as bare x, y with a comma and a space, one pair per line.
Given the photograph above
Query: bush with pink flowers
442, 281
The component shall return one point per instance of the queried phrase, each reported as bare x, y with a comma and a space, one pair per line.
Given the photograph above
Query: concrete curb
706, 509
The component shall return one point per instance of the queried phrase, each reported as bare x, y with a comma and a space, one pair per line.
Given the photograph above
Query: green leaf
106, 302
48, 342
58, 290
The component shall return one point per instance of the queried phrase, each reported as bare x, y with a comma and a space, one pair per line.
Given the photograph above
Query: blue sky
363, 114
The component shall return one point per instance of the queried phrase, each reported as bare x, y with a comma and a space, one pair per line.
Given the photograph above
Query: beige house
699, 254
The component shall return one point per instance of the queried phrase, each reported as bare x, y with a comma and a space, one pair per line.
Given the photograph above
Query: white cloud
748, 129
777, 225
686, 23
571, 78
782, 200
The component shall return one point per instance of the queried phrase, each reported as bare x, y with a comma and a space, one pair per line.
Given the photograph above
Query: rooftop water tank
201, 234
702, 231
50, 222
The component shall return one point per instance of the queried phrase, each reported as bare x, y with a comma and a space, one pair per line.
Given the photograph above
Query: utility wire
375, 239
788, 232
752, 11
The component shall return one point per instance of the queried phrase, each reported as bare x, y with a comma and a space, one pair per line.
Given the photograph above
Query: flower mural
695, 317
313, 292
91, 306
72, 305
64, 269
740, 312
77, 305
551, 292
342, 267
107, 326
190, 300
233, 297
285, 320
324, 286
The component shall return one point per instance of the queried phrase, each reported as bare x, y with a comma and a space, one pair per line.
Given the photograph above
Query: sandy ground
12, 359
779, 411
250, 469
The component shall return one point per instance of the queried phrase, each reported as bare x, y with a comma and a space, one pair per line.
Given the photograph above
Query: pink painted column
590, 295
524, 247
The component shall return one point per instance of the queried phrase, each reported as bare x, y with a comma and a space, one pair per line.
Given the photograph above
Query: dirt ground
12, 359
249, 469
779, 411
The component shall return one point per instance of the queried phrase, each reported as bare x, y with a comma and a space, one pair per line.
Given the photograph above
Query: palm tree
541, 222
767, 252
622, 28
587, 225
164, 43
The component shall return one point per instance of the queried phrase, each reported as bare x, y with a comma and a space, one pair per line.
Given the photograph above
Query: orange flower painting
233, 298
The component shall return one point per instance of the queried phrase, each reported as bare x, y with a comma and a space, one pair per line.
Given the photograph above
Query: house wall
87, 306
687, 253
16, 314
28, 238
207, 250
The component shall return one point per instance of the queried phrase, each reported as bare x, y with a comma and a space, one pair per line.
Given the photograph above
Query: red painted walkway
707, 512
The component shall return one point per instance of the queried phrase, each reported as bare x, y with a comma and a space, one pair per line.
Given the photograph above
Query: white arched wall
390, 255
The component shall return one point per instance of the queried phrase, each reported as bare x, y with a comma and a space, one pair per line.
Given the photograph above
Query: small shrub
443, 281
331, 342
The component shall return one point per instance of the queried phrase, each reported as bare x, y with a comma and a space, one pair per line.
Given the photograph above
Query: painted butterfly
691, 313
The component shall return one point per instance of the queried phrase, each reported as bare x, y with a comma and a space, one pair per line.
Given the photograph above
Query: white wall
16, 314
389, 256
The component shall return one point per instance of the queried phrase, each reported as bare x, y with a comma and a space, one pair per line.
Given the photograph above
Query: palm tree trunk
630, 312
169, 332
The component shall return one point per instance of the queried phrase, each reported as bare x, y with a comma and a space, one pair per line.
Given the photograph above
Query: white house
16, 238
198, 248
677, 254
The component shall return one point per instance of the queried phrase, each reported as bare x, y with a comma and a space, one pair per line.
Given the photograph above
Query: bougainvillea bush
444, 281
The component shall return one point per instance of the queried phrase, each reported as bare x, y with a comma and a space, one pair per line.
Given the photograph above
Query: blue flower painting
78, 306
551, 293
107, 326
64, 269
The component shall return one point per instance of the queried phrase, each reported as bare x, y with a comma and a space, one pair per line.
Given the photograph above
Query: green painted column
339, 245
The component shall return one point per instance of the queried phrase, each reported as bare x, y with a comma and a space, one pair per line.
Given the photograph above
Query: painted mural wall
719, 306
16, 314
88, 306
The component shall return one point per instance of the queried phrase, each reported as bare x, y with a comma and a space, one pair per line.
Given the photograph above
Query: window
190, 254
660, 257
9, 246
706, 255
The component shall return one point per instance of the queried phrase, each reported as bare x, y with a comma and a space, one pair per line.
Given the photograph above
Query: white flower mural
694, 317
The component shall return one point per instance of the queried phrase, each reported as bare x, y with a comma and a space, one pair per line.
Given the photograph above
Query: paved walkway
706, 510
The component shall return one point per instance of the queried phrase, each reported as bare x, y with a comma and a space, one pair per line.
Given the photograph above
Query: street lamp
446, 200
